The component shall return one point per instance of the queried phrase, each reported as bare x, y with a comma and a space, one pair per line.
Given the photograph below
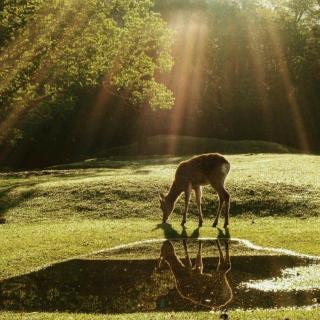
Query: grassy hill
185, 145
260, 185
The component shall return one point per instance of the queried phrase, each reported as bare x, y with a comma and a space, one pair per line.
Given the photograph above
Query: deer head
166, 207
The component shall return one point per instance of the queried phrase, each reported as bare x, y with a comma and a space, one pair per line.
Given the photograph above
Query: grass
26, 247
260, 185
76, 209
236, 315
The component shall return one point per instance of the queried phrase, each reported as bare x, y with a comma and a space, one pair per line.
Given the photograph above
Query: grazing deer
194, 173
208, 290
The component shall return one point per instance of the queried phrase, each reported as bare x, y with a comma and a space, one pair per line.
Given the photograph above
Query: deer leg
188, 260
187, 194
226, 197
198, 192
221, 258
227, 257
221, 201
199, 263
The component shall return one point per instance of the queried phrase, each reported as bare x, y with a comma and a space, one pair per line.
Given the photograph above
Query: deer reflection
211, 290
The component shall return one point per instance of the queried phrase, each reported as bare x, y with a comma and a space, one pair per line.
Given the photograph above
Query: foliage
14, 15
53, 51
263, 72
243, 70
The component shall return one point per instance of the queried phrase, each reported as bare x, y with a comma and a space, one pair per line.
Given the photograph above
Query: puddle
175, 275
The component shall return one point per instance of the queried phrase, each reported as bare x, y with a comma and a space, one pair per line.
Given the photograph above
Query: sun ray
274, 35
200, 62
41, 73
17, 53
191, 33
257, 59
92, 125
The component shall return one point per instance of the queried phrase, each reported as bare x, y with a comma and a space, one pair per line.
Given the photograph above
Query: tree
51, 52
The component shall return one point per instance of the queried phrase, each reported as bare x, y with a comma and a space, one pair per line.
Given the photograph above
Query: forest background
80, 77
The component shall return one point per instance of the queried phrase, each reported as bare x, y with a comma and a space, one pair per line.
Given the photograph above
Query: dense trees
54, 51
261, 72
81, 76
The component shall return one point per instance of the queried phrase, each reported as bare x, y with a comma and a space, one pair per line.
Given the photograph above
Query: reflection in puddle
190, 275
211, 290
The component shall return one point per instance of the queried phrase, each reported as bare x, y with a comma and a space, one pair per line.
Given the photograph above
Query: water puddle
171, 275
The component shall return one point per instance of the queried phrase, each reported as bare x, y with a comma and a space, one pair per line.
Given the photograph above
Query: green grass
235, 315
260, 185
25, 247
67, 211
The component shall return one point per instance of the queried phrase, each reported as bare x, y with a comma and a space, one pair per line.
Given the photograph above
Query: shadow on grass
121, 162
171, 233
8, 202
266, 199
68, 174
223, 234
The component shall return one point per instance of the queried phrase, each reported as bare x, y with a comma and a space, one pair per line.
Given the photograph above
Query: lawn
67, 211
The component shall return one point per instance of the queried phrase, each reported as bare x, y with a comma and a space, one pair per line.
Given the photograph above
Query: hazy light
25, 52
277, 45
187, 77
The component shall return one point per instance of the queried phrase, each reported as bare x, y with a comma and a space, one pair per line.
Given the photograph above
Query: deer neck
174, 193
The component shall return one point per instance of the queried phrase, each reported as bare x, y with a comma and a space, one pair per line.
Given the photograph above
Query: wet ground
179, 275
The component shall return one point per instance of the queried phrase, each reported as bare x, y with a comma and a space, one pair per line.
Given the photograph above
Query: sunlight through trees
84, 76
51, 51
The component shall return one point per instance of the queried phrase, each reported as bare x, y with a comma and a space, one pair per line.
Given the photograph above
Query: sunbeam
259, 64
187, 77
277, 45
41, 75
240, 72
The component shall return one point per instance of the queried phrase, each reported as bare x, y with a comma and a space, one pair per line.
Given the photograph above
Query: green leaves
61, 47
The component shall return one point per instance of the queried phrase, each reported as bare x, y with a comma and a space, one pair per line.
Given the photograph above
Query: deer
206, 169
211, 291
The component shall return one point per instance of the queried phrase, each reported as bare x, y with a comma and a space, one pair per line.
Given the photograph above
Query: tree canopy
52, 50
